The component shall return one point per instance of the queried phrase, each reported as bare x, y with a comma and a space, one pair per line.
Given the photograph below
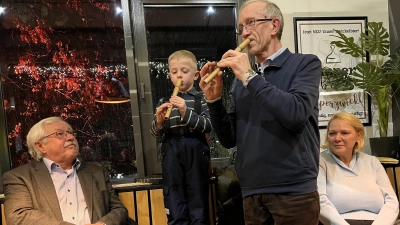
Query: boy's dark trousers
185, 180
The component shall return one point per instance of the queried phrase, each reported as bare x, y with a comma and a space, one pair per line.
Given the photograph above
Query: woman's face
342, 137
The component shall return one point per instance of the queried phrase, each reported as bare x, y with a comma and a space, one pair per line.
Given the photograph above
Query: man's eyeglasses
61, 134
249, 25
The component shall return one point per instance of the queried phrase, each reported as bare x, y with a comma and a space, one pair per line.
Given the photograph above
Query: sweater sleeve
329, 215
390, 209
153, 130
197, 122
223, 123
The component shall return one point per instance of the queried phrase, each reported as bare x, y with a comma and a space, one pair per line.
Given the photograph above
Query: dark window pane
207, 33
67, 58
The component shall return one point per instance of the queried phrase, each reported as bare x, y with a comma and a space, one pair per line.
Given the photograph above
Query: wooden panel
394, 176
389, 172
157, 207
129, 203
143, 217
3, 220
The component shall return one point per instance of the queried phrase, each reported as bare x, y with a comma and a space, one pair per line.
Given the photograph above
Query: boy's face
183, 68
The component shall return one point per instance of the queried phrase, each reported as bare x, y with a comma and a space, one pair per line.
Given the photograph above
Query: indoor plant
376, 72
376, 76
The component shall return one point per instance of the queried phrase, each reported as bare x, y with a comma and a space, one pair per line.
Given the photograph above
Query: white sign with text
354, 101
313, 36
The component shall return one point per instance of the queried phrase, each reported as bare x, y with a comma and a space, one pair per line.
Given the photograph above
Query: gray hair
271, 11
36, 133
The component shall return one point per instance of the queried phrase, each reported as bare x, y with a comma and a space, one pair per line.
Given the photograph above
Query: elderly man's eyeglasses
61, 134
249, 25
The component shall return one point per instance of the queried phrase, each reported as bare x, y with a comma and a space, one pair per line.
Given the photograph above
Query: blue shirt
69, 192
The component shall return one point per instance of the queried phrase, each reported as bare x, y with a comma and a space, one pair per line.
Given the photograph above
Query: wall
375, 10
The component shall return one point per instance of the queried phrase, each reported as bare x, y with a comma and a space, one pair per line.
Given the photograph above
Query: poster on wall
313, 35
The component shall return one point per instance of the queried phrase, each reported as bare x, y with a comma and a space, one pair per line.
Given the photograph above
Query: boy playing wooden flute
185, 151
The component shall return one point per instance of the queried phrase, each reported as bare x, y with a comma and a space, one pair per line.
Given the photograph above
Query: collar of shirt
192, 91
51, 165
340, 163
268, 60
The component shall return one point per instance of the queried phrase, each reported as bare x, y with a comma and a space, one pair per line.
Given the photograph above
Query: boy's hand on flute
160, 114
237, 61
213, 89
179, 103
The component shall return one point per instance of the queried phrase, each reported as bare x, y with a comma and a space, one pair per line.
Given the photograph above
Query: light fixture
2, 10
118, 10
210, 9
111, 91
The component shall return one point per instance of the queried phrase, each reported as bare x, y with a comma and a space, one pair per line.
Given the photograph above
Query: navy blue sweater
274, 124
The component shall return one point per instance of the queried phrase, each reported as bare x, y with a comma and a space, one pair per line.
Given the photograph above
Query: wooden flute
240, 48
174, 93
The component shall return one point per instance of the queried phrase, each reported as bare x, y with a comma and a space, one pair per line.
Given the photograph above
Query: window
68, 59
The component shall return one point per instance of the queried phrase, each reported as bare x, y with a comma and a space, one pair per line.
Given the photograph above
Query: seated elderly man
57, 188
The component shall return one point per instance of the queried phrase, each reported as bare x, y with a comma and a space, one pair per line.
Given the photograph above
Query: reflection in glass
57, 57
206, 31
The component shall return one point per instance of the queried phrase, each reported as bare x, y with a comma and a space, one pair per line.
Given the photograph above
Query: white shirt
69, 192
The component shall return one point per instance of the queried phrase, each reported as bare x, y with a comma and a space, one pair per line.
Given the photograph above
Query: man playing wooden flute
273, 120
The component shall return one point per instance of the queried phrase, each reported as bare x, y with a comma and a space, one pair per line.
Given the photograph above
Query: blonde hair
36, 133
271, 11
354, 122
184, 54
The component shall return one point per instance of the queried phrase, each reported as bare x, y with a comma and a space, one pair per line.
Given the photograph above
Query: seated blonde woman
353, 186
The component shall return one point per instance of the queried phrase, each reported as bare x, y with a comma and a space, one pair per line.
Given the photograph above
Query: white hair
36, 133
271, 11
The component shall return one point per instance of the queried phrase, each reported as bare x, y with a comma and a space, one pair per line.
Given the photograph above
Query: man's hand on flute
213, 89
237, 61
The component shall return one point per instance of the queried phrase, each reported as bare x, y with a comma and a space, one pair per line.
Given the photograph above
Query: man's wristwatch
247, 77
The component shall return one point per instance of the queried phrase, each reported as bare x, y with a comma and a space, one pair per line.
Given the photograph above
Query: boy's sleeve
153, 130
197, 122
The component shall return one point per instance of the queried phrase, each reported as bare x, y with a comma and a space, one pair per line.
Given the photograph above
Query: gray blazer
31, 199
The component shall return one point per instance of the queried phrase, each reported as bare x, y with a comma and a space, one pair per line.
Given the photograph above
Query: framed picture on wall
313, 35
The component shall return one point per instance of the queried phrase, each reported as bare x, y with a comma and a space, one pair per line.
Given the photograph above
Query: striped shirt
191, 119
69, 192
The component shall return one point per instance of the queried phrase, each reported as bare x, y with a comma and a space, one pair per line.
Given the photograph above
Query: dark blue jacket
274, 124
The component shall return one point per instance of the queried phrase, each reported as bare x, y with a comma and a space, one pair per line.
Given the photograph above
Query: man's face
183, 68
261, 33
61, 150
